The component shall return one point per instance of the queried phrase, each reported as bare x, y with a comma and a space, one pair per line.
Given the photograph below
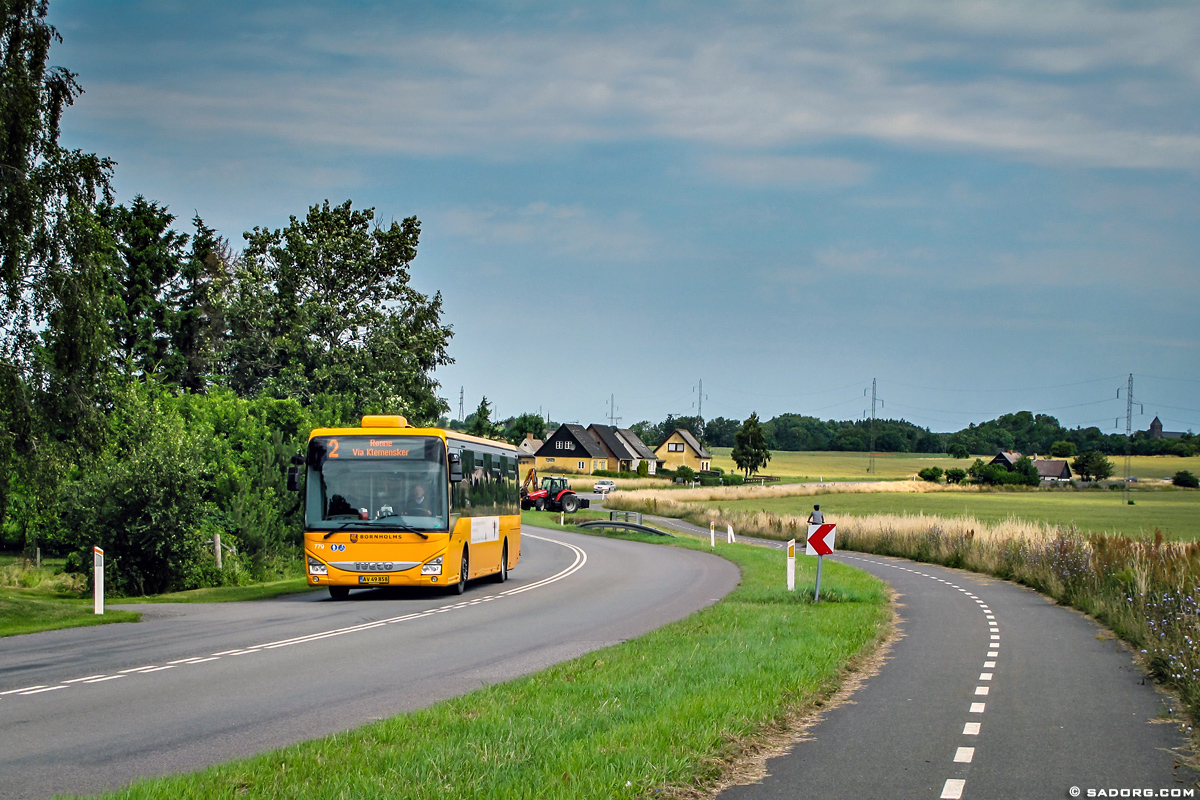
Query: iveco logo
373, 566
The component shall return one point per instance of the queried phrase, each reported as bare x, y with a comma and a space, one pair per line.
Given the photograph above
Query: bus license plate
373, 578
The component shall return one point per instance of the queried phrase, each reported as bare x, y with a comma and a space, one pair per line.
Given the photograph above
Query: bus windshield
381, 482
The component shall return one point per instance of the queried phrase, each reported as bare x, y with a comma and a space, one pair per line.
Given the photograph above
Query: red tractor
555, 494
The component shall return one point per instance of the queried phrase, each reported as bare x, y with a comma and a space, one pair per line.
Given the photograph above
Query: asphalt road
992, 691
89, 709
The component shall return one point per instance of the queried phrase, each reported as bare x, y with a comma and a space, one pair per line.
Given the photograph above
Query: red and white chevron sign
820, 539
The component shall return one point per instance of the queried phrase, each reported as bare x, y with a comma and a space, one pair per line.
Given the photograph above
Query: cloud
793, 171
550, 230
1029, 81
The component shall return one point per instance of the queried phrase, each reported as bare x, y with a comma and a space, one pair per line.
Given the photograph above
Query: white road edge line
580, 559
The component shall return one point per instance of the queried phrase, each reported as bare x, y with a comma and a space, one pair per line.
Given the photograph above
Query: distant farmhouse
1157, 432
1048, 469
682, 450
527, 452
574, 448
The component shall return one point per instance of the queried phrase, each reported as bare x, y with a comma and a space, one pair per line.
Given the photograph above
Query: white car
604, 487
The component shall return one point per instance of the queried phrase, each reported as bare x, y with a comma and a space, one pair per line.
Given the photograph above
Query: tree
516, 428
721, 432
750, 451
955, 475
1186, 479
1027, 470
481, 424
685, 473
931, 474
149, 257
325, 306
198, 311
1092, 465
957, 450
1063, 449
48, 264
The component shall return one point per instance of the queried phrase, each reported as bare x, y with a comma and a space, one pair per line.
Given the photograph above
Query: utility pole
613, 419
700, 396
1129, 401
874, 400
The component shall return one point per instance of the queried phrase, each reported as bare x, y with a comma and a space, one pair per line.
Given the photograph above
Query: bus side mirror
293, 483
456, 475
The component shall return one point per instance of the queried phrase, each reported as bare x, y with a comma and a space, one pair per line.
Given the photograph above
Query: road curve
992, 691
89, 709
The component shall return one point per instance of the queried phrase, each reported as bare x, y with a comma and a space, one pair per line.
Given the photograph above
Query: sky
984, 207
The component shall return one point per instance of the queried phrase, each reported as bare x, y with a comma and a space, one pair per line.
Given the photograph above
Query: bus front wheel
461, 586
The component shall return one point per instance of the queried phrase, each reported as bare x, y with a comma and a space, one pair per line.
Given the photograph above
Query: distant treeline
1023, 432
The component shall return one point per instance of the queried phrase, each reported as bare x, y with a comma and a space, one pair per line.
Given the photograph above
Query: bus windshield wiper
367, 524
405, 528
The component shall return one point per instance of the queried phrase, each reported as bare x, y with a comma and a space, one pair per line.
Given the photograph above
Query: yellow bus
387, 504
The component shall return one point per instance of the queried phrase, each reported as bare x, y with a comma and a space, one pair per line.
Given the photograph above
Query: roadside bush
686, 473
931, 474
142, 502
955, 475
733, 479
1186, 479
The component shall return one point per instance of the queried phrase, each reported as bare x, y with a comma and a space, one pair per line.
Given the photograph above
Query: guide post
98, 571
791, 565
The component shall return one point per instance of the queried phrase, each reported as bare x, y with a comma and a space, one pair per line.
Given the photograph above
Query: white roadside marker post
729, 531
791, 565
98, 570
712, 535
217, 548
562, 519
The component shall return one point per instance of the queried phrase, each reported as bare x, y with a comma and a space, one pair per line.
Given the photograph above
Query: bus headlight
315, 567
433, 567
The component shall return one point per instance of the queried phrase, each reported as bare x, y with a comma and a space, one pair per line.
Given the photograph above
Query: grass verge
228, 594
659, 714
27, 611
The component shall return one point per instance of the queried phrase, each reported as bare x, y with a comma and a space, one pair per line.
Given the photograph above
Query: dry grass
679, 498
24, 575
584, 483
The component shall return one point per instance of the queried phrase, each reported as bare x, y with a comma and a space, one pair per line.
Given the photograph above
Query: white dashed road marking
954, 787
575, 566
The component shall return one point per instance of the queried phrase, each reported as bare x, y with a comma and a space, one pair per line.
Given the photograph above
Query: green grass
229, 594
844, 466
665, 710
31, 611
33, 600
1175, 512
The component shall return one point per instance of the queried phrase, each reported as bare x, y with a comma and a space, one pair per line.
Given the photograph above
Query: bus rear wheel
502, 575
339, 592
461, 586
